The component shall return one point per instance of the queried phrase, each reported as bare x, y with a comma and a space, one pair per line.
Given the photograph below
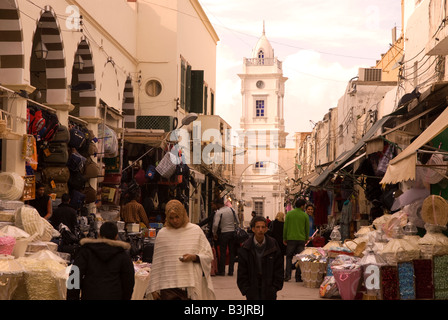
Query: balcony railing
263, 62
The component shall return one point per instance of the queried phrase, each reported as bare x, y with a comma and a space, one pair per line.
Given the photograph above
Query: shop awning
150, 137
402, 167
347, 156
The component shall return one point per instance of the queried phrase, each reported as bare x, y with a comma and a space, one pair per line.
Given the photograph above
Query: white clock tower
260, 179
263, 90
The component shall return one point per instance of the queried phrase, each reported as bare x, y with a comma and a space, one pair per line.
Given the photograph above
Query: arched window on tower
261, 57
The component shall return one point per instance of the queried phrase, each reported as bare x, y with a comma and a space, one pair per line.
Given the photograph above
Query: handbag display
91, 169
90, 194
59, 188
56, 174
62, 135
77, 138
76, 162
56, 153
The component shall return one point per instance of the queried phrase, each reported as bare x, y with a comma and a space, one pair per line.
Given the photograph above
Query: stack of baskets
11, 186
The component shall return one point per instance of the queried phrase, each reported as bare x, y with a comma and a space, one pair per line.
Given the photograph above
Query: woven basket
435, 210
7, 245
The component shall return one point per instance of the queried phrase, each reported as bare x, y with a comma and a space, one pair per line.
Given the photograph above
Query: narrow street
227, 289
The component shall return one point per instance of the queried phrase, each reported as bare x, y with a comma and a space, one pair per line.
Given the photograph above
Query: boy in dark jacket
260, 264
104, 267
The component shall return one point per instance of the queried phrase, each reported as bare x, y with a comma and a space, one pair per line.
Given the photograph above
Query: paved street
226, 289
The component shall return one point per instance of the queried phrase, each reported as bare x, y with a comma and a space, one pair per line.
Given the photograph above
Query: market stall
394, 262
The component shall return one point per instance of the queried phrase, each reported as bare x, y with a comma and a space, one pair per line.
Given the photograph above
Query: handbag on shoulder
240, 234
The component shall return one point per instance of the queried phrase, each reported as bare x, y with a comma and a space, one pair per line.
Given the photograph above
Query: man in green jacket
296, 231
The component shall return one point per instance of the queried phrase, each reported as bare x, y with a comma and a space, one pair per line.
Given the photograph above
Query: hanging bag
167, 166
240, 234
91, 169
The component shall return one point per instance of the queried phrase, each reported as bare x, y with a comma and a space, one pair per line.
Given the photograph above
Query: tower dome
263, 49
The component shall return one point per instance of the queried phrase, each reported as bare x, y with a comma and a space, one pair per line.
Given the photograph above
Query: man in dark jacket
260, 264
105, 269
65, 214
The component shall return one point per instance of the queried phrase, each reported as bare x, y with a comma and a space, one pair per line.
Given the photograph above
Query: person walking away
106, 271
134, 212
277, 231
260, 264
65, 214
182, 259
42, 203
225, 220
295, 234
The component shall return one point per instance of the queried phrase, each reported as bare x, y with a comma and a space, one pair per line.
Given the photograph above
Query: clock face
260, 84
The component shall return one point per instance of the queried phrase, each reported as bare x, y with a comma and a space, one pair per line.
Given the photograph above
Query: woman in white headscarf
182, 259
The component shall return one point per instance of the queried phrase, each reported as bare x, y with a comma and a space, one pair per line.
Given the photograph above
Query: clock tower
262, 90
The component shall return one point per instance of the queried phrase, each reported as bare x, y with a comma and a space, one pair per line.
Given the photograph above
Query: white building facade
262, 163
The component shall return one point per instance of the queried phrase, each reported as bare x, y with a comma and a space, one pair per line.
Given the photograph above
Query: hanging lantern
40, 50
79, 62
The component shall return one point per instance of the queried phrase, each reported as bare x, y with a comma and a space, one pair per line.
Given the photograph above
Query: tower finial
263, 28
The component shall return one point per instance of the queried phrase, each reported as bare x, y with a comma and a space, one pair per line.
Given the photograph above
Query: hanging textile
321, 203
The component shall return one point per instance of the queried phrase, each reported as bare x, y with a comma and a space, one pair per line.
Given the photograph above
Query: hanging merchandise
62, 134
77, 138
76, 162
56, 174
35, 120
108, 141
384, 161
435, 210
29, 151
150, 172
56, 153
90, 194
56, 188
167, 166
51, 126
91, 169
140, 177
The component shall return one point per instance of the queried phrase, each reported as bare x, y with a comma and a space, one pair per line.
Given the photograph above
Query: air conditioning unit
370, 74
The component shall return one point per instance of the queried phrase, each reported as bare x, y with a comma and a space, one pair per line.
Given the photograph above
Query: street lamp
79, 62
189, 118
40, 50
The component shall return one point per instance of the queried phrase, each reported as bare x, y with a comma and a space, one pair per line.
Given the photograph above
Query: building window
183, 73
260, 57
259, 165
259, 108
153, 88
259, 208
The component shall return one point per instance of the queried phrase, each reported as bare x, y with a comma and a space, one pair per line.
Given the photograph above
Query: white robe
167, 271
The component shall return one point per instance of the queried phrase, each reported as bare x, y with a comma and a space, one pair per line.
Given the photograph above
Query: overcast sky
321, 43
